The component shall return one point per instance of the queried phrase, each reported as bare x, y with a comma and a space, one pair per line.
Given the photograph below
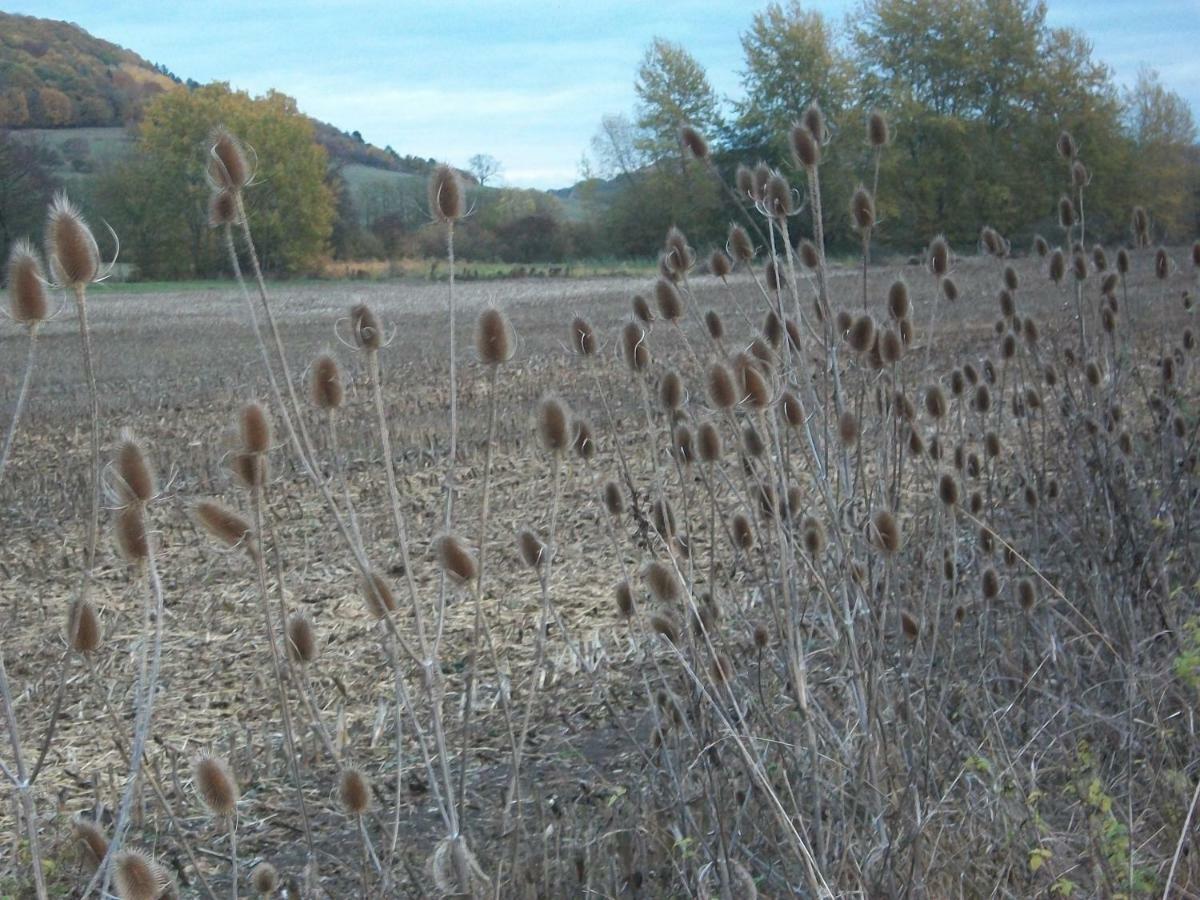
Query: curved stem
22, 395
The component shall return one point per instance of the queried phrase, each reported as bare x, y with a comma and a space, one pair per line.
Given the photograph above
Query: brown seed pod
664, 626
624, 595
885, 532
222, 209
721, 391
669, 300
752, 442
939, 256
531, 548
991, 444
772, 330
301, 639
744, 178
677, 255
1058, 266
583, 338
250, 469
664, 518
641, 309
662, 581
722, 672
693, 141
1123, 261
1066, 146
1079, 267
949, 289
716, 328
70, 246
848, 428
222, 523
843, 322
806, 147
862, 209
326, 389
1141, 227
614, 500
378, 595
633, 341
755, 391
254, 425
682, 445
228, 168
809, 255
1162, 264
990, 584
93, 843
778, 197
1066, 212
898, 300
264, 878
1026, 594
354, 791
27, 301
743, 532
908, 624
670, 391
948, 489
814, 537
1011, 281
793, 411
1092, 373
1008, 346
455, 559
739, 245
364, 326
140, 877
494, 337
83, 626
891, 348
878, 133
1040, 245
134, 475
719, 264
130, 531
583, 443
446, 203
708, 440
861, 334
216, 785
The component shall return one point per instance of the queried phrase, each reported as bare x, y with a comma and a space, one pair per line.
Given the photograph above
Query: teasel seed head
722, 671
445, 194
806, 148
532, 550
633, 341
130, 529
27, 300
665, 626
614, 500
712, 322
583, 442
354, 791
677, 255
254, 426
778, 197
693, 141
1079, 267
70, 246
662, 581
878, 133
862, 209
135, 477
222, 209
885, 532
378, 595
301, 639
554, 425
990, 584
949, 289
94, 843
683, 445
624, 597
368, 334
1140, 226
326, 390
1162, 264
265, 879
891, 348
762, 174
752, 442
1026, 594
909, 625
708, 442
216, 785
809, 255
1058, 266
861, 334
719, 264
744, 178
948, 489
848, 428
494, 341
939, 256
721, 391
139, 877
228, 168
223, 524
743, 532
455, 559
898, 300
83, 627
754, 388
1066, 146
1123, 261
793, 410
935, 402
1040, 245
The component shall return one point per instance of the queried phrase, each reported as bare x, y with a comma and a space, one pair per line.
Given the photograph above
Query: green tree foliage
25, 190
672, 90
160, 196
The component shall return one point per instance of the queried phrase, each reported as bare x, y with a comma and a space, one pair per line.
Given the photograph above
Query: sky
524, 82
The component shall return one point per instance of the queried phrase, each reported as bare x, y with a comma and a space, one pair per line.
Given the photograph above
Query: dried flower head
777, 198
806, 148
265, 879
446, 202
693, 141
878, 133
368, 335
885, 532
494, 340
228, 168
614, 500
130, 531
326, 389
662, 581
94, 843
455, 559
215, 785
83, 626
708, 440
27, 299
254, 426
222, 209
719, 264
138, 876
70, 246
301, 639
739, 245
939, 256
633, 341
531, 548
354, 791
553, 425
862, 209
135, 477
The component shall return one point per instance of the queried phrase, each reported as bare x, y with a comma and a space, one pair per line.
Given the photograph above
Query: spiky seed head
83, 626
228, 168
949, 289
138, 876
130, 531
553, 425
1066, 146
1066, 212
683, 445
624, 597
1079, 267
948, 489
693, 141
70, 246
1026, 594
446, 202
378, 595
739, 245
665, 626
254, 425
722, 671
367, 332
712, 322
778, 197
762, 174
354, 791
1058, 266
668, 299
250, 469
989, 584
806, 148
583, 338
774, 277
216, 786
1040, 245
301, 639
898, 300
719, 264
862, 209
752, 442
721, 391
265, 879
582, 441
793, 411
326, 390
677, 254
891, 348
1008, 306
885, 532
878, 133
862, 333
531, 548
1108, 286
991, 241
755, 391
708, 440
494, 340
935, 402
222, 209
1099, 258
909, 625
614, 500
664, 518
662, 582
848, 428
1162, 264
991, 444
27, 300
939, 256
744, 178
1140, 225
455, 559
93, 843
814, 537
135, 477
222, 523
743, 532
670, 391
814, 120
1123, 261
809, 255
633, 341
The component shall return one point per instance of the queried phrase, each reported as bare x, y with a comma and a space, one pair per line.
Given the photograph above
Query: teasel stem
22, 396
21, 784
147, 684
85, 336
233, 857
452, 461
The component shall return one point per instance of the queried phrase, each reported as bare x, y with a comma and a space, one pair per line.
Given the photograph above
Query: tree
291, 206
484, 167
1164, 172
672, 90
25, 190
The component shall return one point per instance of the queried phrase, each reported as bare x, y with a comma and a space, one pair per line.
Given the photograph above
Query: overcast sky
525, 82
